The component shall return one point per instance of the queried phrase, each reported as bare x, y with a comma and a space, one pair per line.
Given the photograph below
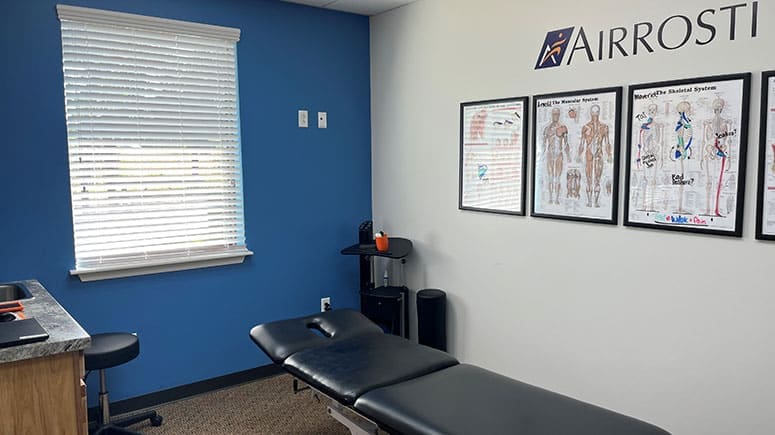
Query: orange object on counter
10, 307
382, 243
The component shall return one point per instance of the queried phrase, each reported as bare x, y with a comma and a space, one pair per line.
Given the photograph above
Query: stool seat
111, 349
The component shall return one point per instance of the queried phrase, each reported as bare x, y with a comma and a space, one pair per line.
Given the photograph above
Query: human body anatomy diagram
574, 152
596, 151
556, 151
767, 189
714, 157
684, 155
649, 157
492, 153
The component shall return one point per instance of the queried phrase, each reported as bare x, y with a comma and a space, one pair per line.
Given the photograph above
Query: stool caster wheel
156, 420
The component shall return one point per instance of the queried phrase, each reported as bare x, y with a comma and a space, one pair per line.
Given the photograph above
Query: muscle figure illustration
555, 144
773, 160
649, 156
716, 150
682, 150
594, 141
573, 183
476, 130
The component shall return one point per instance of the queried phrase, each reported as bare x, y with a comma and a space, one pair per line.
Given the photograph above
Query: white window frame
114, 269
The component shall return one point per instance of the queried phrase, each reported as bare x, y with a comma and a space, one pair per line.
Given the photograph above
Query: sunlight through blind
153, 137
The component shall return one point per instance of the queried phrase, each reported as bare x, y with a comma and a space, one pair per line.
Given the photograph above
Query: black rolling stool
110, 350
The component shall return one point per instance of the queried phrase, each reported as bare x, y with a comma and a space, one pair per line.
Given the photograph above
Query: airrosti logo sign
672, 33
554, 48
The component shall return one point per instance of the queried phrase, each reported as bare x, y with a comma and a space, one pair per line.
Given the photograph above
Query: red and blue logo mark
554, 47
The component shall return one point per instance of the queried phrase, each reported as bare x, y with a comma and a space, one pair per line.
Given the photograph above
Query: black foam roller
432, 318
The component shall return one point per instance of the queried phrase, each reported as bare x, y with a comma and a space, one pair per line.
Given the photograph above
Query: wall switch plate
325, 304
303, 119
322, 120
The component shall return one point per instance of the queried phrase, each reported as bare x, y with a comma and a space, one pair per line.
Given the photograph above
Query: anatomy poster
576, 155
492, 155
686, 154
765, 220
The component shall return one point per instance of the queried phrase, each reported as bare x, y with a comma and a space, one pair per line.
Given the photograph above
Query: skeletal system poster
686, 154
492, 153
575, 155
766, 208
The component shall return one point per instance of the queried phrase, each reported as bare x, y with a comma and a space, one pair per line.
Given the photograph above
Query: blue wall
306, 190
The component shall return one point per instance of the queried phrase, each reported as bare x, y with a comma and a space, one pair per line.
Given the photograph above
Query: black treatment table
406, 388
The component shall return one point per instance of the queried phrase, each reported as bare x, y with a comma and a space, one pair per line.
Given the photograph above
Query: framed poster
492, 155
576, 155
686, 150
765, 198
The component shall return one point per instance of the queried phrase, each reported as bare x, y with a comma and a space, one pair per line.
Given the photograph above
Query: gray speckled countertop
65, 334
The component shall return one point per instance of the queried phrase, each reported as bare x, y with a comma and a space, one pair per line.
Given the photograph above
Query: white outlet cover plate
303, 119
322, 120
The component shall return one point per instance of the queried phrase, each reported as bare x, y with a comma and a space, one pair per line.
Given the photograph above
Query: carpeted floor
267, 406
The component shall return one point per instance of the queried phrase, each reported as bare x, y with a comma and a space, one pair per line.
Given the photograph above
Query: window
154, 144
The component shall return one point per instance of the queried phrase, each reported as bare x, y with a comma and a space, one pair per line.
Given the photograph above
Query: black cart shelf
387, 306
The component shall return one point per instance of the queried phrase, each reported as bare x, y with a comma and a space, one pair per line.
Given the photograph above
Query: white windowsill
160, 266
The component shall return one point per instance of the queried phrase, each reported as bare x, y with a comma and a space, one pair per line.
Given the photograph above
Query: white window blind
153, 138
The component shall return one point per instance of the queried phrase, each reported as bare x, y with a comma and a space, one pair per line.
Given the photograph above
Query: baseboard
154, 399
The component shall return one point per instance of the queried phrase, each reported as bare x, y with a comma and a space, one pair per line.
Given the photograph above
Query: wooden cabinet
44, 395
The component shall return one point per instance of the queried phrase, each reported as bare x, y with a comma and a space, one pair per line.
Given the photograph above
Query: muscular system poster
576, 155
492, 153
765, 225
686, 154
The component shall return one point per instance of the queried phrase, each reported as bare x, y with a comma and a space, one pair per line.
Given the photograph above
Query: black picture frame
761, 179
745, 83
524, 101
614, 138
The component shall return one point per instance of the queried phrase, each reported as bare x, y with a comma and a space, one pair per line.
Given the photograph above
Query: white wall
597, 312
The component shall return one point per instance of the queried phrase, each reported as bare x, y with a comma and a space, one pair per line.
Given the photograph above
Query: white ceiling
362, 7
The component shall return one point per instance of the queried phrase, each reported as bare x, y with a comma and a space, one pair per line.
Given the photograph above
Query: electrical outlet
303, 119
322, 120
325, 304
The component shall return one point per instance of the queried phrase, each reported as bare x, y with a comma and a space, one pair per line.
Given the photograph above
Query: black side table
386, 306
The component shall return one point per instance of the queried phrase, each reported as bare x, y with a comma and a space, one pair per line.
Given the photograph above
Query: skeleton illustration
682, 150
649, 155
555, 144
594, 137
716, 149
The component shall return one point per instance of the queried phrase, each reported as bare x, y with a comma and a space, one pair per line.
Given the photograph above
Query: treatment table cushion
283, 338
345, 369
465, 399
